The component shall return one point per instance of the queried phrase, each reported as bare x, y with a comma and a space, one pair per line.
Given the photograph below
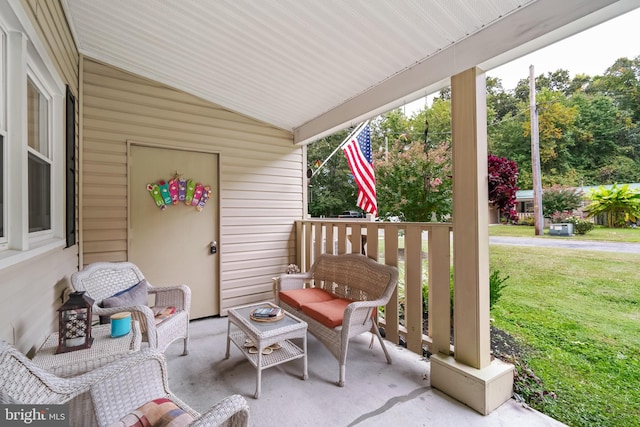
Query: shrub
560, 199
496, 285
425, 299
614, 203
527, 220
503, 174
580, 225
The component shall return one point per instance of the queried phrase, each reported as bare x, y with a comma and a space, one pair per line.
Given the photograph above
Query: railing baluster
371, 247
356, 239
308, 248
439, 291
330, 244
317, 247
413, 287
391, 312
342, 238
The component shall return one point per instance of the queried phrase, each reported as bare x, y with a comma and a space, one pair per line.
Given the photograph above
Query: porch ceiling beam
526, 30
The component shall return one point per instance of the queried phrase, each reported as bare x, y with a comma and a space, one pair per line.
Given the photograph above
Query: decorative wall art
177, 190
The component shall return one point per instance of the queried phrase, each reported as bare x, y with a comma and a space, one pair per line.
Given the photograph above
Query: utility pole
535, 156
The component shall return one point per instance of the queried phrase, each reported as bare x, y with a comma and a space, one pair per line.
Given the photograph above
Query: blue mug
120, 324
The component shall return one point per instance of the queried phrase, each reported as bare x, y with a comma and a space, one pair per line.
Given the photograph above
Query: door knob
213, 247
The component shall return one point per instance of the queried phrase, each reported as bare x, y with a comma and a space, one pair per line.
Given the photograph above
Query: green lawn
579, 312
598, 233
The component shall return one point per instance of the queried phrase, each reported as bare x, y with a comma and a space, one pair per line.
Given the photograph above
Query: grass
597, 234
578, 312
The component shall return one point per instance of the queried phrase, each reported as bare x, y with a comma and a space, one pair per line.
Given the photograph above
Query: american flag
358, 152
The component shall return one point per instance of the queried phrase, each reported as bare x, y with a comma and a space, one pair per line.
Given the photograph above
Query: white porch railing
524, 215
422, 253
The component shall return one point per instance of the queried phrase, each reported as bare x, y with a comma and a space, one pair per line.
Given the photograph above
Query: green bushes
496, 285
580, 226
528, 220
560, 199
616, 203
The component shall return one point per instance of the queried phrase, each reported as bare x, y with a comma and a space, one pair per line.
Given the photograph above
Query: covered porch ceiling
313, 67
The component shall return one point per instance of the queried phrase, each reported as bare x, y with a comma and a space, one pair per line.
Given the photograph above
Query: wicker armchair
22, 381
142, 377
116, 389
101, 280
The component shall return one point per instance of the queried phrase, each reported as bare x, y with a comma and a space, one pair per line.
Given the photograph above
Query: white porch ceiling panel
311, 66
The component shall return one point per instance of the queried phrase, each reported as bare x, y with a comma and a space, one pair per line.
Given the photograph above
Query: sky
590, 52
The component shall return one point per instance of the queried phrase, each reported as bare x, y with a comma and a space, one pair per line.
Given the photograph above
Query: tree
615, 203
560, 199
597, 129
579, 84
555, 125
331, 190
506, 139
414, 182
621, 82
500, 102
557, 81
503, 174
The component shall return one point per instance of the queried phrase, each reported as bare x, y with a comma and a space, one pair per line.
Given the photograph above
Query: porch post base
480, 389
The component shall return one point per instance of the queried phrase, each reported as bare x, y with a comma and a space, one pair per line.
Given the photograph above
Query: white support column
17, 202
471, 376
470, 219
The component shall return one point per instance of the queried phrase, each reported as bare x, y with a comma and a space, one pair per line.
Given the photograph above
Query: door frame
216, 196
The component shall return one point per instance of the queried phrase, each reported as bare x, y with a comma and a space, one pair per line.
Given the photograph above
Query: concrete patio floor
375, 394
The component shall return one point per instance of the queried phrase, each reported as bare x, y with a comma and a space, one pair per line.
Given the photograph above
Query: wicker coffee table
265, 334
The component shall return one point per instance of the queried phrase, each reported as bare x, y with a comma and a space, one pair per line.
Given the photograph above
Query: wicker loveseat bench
338, 298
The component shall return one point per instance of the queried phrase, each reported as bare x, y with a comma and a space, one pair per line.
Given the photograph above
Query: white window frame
3, 136
23, 56
48, 116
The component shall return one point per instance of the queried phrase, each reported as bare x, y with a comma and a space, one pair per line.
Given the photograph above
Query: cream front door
172, 246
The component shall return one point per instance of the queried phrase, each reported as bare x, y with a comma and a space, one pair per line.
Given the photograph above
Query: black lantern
74, 331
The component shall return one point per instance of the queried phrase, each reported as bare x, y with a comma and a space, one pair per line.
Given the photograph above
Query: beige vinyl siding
50, 22
32, 290
261, 180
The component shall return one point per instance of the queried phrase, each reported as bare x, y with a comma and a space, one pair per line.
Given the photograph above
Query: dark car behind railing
352, 214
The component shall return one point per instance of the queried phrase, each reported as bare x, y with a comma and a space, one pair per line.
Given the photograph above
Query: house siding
261, 175
32, 290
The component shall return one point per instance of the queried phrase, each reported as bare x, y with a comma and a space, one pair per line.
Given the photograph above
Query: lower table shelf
288, 351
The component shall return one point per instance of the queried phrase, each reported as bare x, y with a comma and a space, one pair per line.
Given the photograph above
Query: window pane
39, 194
37, 119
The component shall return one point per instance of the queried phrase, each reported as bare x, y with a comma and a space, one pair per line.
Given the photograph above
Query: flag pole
348, 138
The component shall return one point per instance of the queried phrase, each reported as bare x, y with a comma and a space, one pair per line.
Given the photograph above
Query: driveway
567, 243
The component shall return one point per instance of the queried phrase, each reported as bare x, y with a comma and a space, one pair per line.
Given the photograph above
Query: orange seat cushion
329, 313
298, 297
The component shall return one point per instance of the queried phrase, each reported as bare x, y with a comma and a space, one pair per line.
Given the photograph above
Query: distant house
524, 198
